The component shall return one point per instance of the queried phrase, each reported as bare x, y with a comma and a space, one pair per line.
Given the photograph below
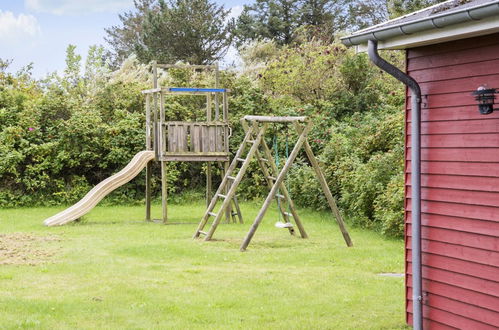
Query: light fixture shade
485, 98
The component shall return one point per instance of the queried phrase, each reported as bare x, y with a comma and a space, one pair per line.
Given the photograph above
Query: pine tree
195, 31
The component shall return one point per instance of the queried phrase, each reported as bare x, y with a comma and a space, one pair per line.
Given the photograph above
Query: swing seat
280, 224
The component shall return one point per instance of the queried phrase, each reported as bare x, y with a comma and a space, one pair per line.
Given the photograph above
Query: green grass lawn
115, 271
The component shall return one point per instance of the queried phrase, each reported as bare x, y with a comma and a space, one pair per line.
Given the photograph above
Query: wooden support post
217, 82
209, 189
228, 211
326, 190
149, 164
161, 150
273, 191
208, 108
164, 192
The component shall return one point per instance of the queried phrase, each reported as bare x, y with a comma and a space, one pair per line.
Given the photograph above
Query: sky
38, 31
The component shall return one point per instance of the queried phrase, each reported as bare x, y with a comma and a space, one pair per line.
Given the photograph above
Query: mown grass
115, 271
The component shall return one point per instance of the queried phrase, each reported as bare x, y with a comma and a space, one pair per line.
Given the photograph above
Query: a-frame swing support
254, 138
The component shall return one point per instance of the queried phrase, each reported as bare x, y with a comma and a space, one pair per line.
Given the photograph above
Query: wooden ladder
230, 181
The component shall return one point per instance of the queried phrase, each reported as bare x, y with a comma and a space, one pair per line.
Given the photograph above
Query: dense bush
61, 135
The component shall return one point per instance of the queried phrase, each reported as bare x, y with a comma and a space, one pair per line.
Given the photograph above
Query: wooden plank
458, 223
486, 140
453, 46
457, 196
446, 100
461, 85
171, 139
471, 317
459, 127
219, 138
458, 182
458, 71
437, 319
196, 138
195, 158
450, 114
471, 55
164, 192
462, 308
208, 108
457, 168
476, 155
327, 193
458, 280
485, 257
454, 265
205, 143
478, 212
209, 192
274, 119
451, 236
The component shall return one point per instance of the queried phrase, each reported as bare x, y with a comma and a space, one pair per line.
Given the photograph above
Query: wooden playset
208, 141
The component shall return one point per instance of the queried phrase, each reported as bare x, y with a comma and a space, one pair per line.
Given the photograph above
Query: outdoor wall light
485, 97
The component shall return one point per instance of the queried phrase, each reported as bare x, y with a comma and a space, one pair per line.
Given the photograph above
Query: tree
268, 19
401, 7
122, 39
196, 31
282, 20
322, 19
365, 13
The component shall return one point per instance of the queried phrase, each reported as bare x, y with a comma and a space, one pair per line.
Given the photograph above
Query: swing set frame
255, 128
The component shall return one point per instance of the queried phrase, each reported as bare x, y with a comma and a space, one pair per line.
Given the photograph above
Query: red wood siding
460, 185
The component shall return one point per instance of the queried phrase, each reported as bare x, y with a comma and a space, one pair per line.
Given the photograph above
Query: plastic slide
101, 190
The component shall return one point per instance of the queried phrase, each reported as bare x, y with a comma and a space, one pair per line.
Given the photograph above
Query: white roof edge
452, 32
370, 28
429, 24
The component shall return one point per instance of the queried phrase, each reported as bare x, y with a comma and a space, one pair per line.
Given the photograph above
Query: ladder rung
271, 178
203, 233
212, 214
279, 196
288, 214
250, 141
241, 159
264, 159
221, 196
231, 177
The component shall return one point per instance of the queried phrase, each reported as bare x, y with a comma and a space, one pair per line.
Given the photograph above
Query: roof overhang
459, 24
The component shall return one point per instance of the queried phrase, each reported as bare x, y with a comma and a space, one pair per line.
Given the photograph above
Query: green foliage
64, 134
285, 21
122, 38
398, 8
196, 31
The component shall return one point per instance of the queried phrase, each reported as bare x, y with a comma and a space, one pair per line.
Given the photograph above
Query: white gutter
434, 22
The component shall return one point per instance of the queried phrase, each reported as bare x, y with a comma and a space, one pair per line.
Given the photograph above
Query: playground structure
167, 141
255, 140
200, 141
208, 141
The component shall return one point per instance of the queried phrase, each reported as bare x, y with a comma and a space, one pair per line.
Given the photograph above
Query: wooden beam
275, 119
326, 190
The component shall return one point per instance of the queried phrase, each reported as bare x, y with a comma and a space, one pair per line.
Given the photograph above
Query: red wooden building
451, 50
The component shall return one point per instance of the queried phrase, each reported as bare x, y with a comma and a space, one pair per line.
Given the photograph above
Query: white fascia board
435, 36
